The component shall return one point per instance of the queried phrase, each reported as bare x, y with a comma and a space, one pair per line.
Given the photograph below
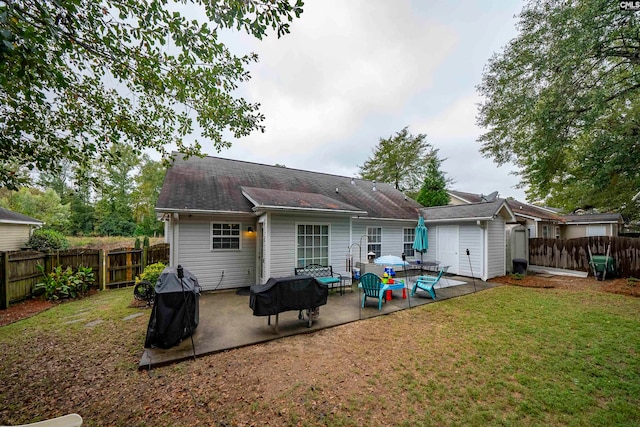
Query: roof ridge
290, 168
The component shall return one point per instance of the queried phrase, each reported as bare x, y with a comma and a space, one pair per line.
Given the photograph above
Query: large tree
401, 160
145, 195
79, 75
113, 210
434, 187
42, 205
562, 101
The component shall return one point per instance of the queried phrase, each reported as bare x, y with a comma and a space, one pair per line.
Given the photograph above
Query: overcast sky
352, 72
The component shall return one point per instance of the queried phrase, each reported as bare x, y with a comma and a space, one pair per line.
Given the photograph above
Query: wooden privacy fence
19, 270
572, 254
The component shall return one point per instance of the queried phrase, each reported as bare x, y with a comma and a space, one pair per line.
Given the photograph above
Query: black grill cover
175, 313
287, 293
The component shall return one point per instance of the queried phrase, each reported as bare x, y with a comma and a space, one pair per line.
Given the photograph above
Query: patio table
398, 284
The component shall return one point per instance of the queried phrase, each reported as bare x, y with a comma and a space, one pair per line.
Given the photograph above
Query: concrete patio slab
226, 321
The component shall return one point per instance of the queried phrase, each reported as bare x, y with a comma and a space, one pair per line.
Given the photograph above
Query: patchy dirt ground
284, 382
630, 287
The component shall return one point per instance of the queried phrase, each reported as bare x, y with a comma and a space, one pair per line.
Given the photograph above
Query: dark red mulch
23, 309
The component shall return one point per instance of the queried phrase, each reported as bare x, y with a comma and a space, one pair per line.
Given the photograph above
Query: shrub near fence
116, 268
573, 254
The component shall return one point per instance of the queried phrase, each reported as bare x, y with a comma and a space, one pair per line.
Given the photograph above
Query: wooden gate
122, 267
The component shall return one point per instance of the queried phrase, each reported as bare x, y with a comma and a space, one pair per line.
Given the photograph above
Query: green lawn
506, 356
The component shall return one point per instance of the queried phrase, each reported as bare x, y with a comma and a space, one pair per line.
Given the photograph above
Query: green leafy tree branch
77, 76
562, 101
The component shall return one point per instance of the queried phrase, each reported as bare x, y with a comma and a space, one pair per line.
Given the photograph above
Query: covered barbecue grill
175, 313
288, 293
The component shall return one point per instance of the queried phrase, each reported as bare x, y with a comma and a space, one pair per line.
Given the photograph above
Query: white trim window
225, 236
374, 237
408, 236
312, 244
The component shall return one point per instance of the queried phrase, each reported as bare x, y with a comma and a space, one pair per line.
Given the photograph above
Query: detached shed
15, 229
478, 228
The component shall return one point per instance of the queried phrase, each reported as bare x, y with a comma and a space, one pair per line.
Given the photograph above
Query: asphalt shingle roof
469, 211
591, 218
214, 184
533, 211
268, 198
8, 216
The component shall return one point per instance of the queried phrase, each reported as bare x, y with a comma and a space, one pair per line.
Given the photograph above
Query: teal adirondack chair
372, 287
426, 283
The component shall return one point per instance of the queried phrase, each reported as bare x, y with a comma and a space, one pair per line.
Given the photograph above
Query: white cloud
457, 121
352, 72
343, 62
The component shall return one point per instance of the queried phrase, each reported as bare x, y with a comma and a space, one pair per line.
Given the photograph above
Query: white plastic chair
70, 420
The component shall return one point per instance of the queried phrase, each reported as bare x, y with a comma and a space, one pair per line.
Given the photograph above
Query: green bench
323, 274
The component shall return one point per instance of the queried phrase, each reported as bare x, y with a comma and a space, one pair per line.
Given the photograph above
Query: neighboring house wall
455, 201
14, 236
573, 231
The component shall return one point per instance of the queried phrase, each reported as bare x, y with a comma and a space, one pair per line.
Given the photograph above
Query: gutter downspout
175, 233
485, 255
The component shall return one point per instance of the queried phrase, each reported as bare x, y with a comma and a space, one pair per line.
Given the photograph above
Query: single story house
234, 223
548, 222
15, 229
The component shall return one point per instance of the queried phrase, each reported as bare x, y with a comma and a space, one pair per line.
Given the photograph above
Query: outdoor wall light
250, 229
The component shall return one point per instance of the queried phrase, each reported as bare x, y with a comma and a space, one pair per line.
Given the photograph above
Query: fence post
48, 262
101, 284
145, 254
4, 281
129, 269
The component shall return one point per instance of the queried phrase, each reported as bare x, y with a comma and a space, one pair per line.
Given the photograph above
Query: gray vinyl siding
392, 238
470, 237
496, 252
283, 241
195, 254
430, 255
14, 236
282, 245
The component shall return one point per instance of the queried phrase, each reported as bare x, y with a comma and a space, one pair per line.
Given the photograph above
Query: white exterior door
448, 247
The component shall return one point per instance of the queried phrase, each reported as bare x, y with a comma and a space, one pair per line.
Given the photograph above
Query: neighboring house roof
526, 210
471, 212
520, 209
217, 185
538, 213
465, 197
603, 218
10, 217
